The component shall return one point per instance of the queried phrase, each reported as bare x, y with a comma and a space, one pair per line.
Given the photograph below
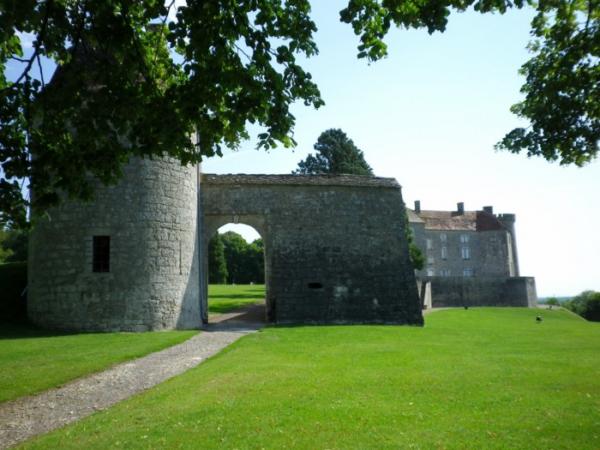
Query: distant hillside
560, 299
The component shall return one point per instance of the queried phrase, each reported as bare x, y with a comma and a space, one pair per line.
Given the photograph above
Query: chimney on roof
488, 209
417, 206
460, 208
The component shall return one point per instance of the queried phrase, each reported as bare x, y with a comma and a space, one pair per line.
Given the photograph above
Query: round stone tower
126, 261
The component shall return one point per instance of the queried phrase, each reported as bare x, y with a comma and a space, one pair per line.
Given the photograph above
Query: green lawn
223, 298
481, 378
32, 360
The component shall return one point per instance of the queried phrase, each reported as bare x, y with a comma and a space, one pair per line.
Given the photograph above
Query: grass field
480, 378
32, 360
223, 298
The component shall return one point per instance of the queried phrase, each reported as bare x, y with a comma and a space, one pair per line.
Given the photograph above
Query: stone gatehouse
136, 258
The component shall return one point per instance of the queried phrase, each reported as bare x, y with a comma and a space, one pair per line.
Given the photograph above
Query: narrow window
464, 238
444, 253
467, 272
430, 272
429, 243
445, 272
443, 237
465, 252
430, 260
101, 254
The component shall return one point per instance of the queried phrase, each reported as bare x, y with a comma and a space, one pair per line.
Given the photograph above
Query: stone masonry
335, 245
470, 258
483, 291
150, 217
335, 250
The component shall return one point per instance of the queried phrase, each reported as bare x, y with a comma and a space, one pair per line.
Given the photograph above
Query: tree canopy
335, 153
217, 265
586, 304
139, 78
13, 245
241, 262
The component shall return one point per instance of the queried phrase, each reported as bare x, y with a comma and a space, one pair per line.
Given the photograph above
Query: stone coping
299, 180
474, 279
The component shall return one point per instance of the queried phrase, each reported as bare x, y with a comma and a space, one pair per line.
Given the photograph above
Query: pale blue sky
429, 116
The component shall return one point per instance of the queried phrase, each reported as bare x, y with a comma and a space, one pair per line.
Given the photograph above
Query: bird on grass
538, 319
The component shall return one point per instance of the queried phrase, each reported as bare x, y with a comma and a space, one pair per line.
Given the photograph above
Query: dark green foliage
416, 255
13, 299
222, 65
417, 258
13, 245
552, 301
254, 263
586, 304
562, 91
245, 262
217, 265
124, 91
336, 154
235, 246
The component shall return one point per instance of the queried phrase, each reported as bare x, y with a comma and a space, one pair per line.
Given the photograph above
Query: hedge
13, 281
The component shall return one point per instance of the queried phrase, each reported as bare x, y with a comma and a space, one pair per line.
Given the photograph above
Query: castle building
465, 243
470, 258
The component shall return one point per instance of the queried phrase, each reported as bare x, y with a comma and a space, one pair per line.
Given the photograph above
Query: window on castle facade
465, 252
467, 272
445, 272
443, 237
444, 253
101, 254
430, 272
430, 260
429, 244
464, 238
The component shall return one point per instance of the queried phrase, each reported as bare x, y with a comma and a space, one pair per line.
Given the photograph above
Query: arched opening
236, 274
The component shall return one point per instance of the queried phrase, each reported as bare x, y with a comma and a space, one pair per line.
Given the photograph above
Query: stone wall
490, 252
483, 291
335, 245
153, 282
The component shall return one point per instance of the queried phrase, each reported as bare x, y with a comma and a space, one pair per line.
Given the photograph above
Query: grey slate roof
451, 220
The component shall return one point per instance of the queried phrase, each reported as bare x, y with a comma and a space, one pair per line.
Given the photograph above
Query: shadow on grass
249, 314
230, 306
10, 330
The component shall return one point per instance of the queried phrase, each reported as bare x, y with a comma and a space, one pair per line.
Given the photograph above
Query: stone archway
335, 245
212, 223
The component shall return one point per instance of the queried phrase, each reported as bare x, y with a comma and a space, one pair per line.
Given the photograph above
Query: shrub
586, 304
13, 245
13, 281
552, 301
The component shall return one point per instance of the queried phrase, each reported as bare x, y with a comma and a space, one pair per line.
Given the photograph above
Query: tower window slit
101, 254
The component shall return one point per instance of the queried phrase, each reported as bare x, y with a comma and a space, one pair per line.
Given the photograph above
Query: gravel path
29, 416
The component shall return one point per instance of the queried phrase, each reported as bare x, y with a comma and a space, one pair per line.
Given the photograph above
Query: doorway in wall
236, 274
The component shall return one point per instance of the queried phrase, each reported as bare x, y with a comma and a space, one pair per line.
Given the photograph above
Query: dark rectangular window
101, 254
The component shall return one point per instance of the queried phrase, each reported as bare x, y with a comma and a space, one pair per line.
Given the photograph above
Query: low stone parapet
442, 292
